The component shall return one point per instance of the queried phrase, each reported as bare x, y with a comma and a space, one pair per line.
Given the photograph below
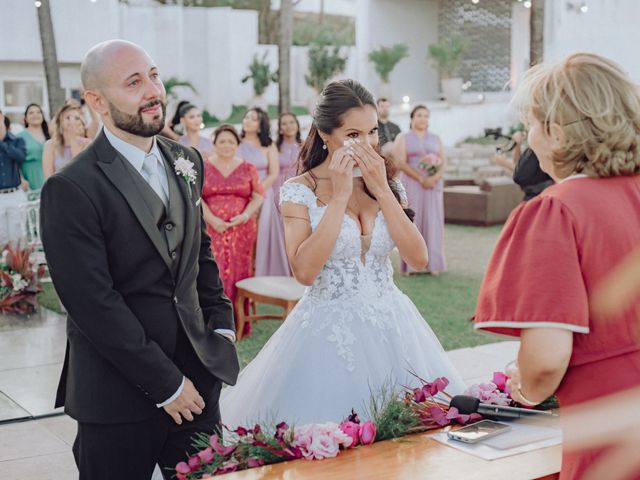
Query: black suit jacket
110, 266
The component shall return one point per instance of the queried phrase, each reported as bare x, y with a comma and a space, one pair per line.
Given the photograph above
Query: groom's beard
134, 124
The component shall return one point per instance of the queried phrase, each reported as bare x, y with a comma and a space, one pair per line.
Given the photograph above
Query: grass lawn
446, 302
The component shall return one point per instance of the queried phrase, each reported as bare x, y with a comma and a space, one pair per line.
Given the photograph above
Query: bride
353, 332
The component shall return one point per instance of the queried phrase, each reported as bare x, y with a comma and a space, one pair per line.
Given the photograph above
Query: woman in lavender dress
258, 148
191, 121
420, 158
288, 144
66, 141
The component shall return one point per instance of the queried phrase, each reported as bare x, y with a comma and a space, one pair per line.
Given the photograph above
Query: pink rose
320, 440
367, 433
194, 463
353, 430
229, 467
183, 468
214, 441
324, 445
206, 455
255, 462
500, 379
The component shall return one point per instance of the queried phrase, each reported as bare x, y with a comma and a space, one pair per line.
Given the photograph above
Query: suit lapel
111, 163
188, 197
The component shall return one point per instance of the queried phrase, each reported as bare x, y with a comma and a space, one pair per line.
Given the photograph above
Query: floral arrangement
430, 163
414, 410
19, 281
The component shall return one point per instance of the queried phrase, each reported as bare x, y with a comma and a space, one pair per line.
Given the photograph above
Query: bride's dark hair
335, 100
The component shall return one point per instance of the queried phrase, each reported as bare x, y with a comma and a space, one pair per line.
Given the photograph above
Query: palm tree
536, 41
171, 83
284, 56
55, 92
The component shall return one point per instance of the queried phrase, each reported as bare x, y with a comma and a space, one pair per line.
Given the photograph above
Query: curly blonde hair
596, 105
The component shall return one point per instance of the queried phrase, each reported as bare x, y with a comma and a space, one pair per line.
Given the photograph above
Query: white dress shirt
135, 156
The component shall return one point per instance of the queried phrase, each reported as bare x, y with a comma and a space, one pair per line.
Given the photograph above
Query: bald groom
150, 331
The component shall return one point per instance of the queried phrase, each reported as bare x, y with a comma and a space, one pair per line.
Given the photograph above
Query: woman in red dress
231, 195
584, 127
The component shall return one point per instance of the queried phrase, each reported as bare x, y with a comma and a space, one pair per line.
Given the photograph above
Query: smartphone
478, 431
351, 141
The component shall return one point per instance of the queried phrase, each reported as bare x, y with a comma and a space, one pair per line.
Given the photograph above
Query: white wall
609, 28
331, 7
414, 22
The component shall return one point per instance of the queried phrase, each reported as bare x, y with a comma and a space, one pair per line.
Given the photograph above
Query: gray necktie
150, 169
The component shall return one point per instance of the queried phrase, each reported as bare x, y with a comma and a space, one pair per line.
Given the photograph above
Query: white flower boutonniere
185, 169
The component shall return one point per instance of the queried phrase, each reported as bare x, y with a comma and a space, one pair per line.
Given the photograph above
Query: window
16, 94
21, 93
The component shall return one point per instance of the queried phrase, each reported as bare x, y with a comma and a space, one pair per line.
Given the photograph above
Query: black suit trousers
131, 450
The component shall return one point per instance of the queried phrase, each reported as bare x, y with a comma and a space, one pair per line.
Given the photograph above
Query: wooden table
411, 457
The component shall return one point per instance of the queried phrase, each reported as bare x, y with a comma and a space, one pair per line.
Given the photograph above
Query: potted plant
384, 60
325, 62
447, 56
261, 75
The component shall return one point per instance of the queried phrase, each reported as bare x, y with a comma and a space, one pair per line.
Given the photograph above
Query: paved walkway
36, 440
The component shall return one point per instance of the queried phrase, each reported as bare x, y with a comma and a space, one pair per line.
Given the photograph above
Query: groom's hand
188, 402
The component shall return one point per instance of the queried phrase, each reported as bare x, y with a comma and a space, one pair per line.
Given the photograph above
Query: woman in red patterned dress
231, 196
584, 127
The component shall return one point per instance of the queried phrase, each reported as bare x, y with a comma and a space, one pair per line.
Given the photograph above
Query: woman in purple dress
258, 148
191, 121
420, 157
66, 140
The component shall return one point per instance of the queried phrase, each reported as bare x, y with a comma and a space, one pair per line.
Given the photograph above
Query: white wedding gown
352, 333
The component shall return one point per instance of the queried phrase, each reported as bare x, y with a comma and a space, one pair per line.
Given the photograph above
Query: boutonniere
185, 169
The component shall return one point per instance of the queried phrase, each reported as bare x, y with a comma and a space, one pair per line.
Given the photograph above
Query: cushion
285, 288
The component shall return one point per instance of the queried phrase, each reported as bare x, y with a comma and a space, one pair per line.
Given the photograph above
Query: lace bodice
347, 272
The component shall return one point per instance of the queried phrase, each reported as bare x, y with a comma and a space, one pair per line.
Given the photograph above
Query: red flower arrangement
19, 281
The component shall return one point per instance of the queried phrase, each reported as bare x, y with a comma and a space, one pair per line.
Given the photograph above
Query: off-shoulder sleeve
534, 278
256, 184
297, 193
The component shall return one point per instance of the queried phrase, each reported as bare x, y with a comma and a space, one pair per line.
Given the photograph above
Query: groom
150, 331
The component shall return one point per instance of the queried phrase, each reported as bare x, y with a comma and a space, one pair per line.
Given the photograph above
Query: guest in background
191, 121
66, 141
584, 127
12, 154
232, 194
258, 148
525, 168
35, 134
387, 130
173, 128
288, 145
89, 118
420, 157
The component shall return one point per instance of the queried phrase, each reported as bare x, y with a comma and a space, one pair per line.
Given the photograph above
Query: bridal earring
324, 146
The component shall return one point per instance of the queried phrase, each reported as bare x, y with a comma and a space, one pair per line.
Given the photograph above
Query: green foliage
447, 55
306, 29
261, 75
325, 60
393, 418
171, 83
385, 59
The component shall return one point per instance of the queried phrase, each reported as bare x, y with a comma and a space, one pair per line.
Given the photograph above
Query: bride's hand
373, 168
341, 171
